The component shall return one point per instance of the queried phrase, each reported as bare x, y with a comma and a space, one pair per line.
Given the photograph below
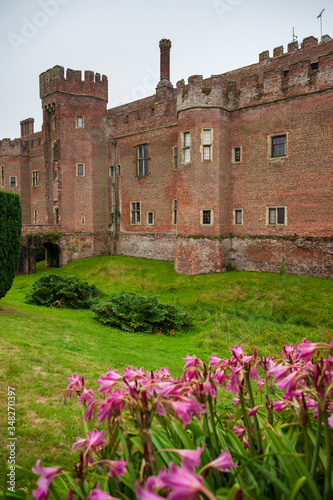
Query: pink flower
185, 408
223, 462
98, 494
235, 401
116, 400
238, 352
117, 468
107, 382
254, 410
191, 362
307, 349
330, 421
278, 372
190, 458
289, 350
185, 484
95, 439
240, 431
87, 396
76, 382
133, 374
279, 405
289, 382
148, 492
43, 483
214, 360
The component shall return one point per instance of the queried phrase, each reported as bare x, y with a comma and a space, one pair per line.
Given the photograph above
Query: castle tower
75, 152
164, 85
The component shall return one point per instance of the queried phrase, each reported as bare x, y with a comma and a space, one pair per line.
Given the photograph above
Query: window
136, 212
83, 220
207, 145
142, 160
35, 217
55, 151
119, 170
276, 216
236, 155
35, 178
2, 176
238, 216
279, 146
285, 73
111, 171
175, 158
80, 170
150, 218
56, 215
206, 217
174, 212
12, 181
186, 147
79, 122
314, 66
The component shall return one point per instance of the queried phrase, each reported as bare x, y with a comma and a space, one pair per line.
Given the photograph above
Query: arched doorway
52, 254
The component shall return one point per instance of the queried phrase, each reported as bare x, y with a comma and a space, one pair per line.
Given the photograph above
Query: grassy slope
40, 347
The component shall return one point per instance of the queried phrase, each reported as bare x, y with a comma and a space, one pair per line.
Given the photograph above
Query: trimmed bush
63, 291
132, 312
10, 239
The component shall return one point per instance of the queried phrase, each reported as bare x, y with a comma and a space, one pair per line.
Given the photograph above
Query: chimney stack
164, 86
27, 127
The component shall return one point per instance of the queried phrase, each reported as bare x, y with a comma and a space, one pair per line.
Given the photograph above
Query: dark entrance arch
30, 246
52, 254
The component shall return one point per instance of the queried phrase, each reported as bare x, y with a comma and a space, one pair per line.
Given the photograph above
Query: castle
229, 172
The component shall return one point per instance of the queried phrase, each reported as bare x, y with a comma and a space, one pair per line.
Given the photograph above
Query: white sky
119, 38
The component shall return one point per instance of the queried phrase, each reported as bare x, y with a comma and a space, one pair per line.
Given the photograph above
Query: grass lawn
40, 347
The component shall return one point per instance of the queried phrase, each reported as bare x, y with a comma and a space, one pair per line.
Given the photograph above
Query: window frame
144, 159
35, 217
2, 176
207, 146
135, 211
83, 220
236, 211
111, 171
175, 157
77, 121
10, 181
272, 154
174, 213
276, 209
233, 154
83, 170
35, 178
186, 147
150, 212
202, 216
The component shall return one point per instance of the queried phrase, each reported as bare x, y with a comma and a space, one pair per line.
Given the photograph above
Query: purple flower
185, 484
330, 421
289, 382
185, 408
254, 410
223, 462
133, 374
75, 382
307, 349
116, 400
86, 396
278, 372
240, 431
46, 478
117, 468
191, 362
190, 458
98, 494
95, 439
147, 492
107, 382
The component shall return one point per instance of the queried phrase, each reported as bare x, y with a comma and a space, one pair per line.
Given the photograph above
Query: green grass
40, 347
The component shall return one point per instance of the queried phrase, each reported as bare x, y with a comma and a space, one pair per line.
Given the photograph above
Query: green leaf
298, 485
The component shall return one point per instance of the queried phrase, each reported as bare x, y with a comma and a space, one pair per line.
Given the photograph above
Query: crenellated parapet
301, 70
54, 80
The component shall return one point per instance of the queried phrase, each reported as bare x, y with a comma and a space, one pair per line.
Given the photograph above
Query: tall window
35, 217
79, 122
35, 178
206, 217
276, 215
150, 218
56, 215
238, 216
175, 158
174, 212
135, 212
12, 181
236, 156
2, 176
207, 145
186, 147
142, 159
80, 169
279, 146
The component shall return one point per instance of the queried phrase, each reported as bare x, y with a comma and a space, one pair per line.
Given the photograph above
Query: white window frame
77, 125
270, 146
135, 211
207, 146
141, 149
83, 220
153, 217
35, 178
276, 223
36, 217
235, 219
202, 216
10, 181
83, 170
233, 154
186, 147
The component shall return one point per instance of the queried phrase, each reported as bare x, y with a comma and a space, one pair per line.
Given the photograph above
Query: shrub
63, 291
132, 312
10, 239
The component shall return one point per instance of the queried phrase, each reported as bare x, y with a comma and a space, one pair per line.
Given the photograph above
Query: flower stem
328, 469
307, 448
246, 422
317, 444
255, 420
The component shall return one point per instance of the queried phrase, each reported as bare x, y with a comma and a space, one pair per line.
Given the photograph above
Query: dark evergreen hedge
10, 239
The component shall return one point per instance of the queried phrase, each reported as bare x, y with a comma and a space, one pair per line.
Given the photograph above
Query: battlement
300, 71
54, 80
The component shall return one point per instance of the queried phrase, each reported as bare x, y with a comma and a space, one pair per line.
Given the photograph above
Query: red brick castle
230, 172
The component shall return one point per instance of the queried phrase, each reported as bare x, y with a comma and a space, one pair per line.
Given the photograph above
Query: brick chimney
27, 127
164, 84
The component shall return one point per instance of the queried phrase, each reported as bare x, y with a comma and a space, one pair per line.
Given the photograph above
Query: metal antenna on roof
294, 36
321, 23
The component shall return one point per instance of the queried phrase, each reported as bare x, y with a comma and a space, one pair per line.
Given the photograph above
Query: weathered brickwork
229, 172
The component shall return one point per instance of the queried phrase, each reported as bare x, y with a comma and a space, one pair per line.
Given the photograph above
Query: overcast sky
119, 38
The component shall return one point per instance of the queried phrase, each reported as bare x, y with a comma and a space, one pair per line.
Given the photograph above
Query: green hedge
10, 239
